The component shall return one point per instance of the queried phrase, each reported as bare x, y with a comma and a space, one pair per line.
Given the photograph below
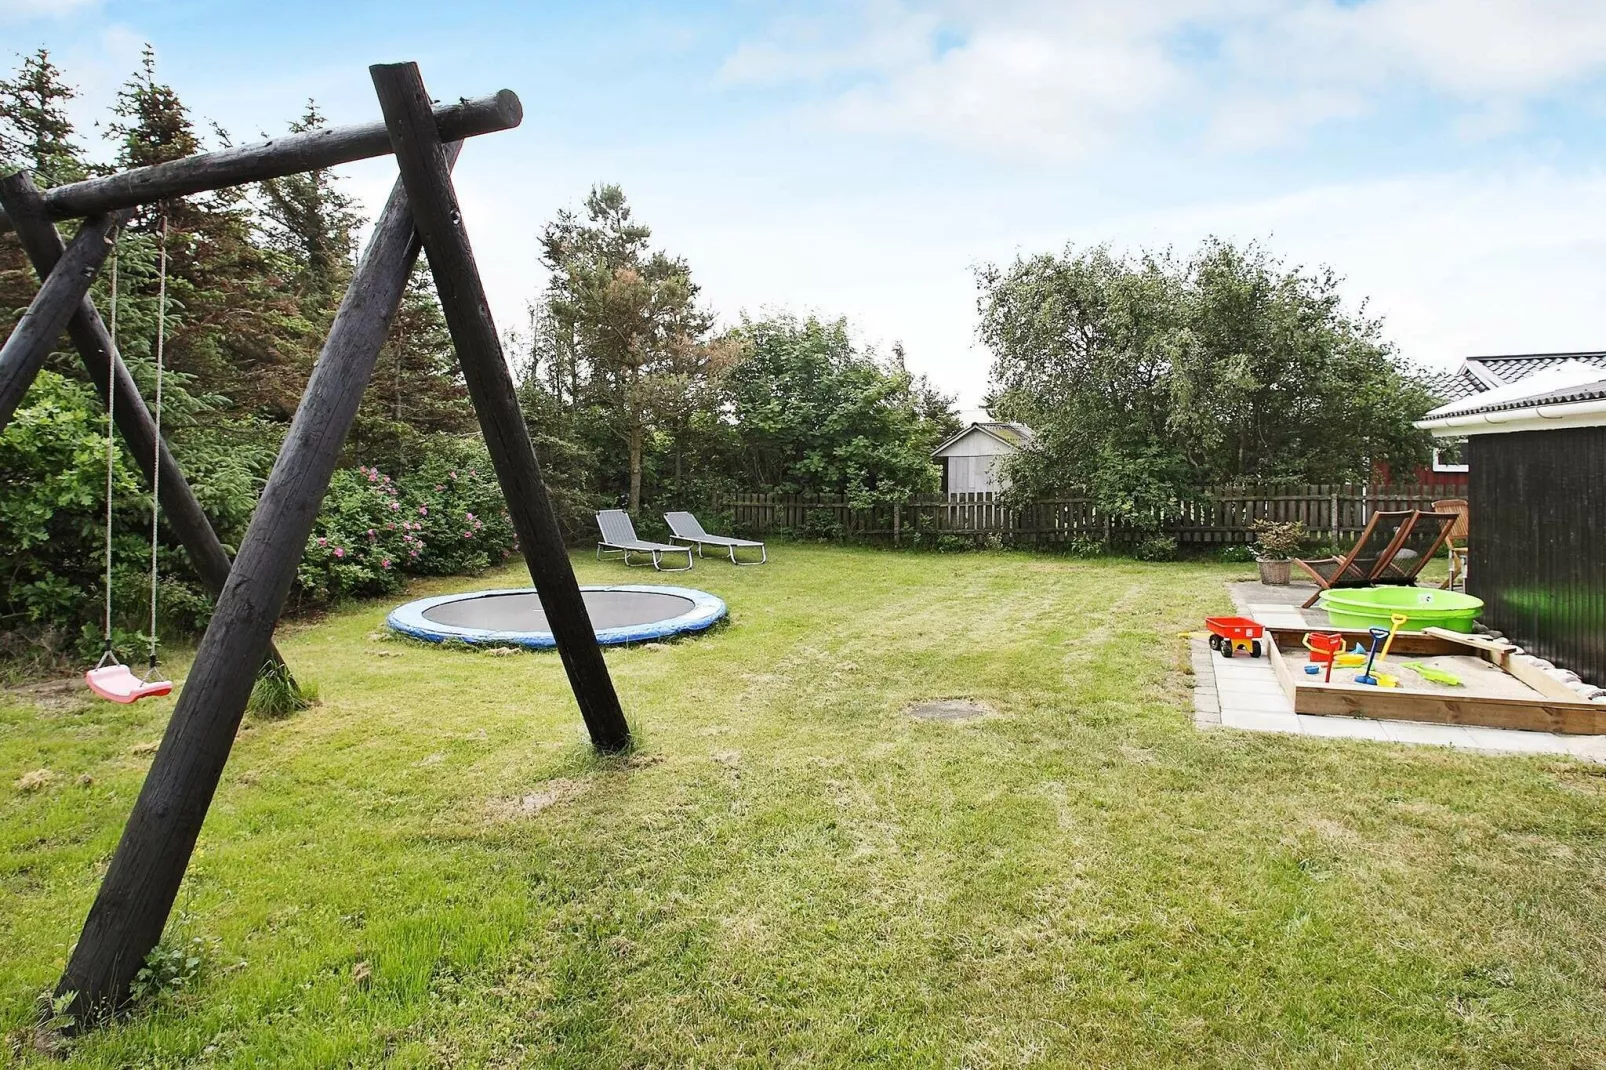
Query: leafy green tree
813, 414
628, 337
1149, 378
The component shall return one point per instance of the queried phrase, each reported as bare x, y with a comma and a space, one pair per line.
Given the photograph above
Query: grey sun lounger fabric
619, 537
688, 529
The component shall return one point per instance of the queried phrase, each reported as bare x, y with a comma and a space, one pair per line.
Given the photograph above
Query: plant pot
1274, 573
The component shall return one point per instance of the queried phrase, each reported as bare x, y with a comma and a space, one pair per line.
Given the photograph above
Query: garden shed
972, 460
1536, 497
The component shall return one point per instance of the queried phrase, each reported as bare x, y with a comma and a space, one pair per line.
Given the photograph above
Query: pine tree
417, 387
307, 219
35, 134
234, 323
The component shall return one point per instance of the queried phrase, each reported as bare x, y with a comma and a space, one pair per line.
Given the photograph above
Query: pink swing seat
117, 683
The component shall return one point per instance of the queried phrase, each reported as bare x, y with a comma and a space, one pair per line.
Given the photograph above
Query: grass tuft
277, 693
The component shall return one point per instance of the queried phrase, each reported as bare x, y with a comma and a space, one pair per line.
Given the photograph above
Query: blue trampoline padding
410, 619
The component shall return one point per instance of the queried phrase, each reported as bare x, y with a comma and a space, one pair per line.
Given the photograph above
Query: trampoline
629, 613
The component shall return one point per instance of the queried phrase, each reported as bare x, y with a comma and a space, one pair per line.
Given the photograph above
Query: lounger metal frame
616, 542
686, 522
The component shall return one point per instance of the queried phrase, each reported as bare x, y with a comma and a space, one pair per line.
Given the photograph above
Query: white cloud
1054, 77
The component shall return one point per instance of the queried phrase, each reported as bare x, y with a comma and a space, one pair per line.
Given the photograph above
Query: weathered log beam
137, 894
273, 158
94, 344
35, 334
425, 174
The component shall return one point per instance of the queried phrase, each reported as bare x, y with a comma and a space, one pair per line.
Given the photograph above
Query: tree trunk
635, 470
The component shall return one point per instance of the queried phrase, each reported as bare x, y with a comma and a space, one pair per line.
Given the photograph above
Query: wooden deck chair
1418, 545
1382, 537
619, 537
1456, 543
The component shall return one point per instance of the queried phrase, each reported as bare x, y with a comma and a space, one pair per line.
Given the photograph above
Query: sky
1446, 157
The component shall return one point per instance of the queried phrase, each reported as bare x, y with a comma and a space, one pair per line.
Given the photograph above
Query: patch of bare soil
949, 709
54, 696
518, 807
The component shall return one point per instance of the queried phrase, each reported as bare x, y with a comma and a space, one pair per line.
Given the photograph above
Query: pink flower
469, 515
423, 510
390, 526
371, 533
468, 534
393, 505
440, 486
323, 542
385, 563
340, 551
453, 473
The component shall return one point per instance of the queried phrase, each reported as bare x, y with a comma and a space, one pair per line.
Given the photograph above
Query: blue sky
860, 159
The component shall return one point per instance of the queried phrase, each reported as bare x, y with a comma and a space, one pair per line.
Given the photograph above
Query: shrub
1156, 548
360, 539
1086, 548
447, 518
1238, 553
821, 525
1278, 540
455, 506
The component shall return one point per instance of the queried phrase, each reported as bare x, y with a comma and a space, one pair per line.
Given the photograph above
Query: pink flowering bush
445, 518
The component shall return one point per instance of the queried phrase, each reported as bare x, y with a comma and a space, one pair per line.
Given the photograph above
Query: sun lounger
619, 537
688, 529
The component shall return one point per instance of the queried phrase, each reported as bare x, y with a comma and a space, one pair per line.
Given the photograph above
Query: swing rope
111, 455
107, 653
156, 416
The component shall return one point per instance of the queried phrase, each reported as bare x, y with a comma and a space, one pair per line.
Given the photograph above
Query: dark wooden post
131, 909
417, 145
36, 332
94, 344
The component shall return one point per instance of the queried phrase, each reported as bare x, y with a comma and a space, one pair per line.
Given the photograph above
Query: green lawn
431, 869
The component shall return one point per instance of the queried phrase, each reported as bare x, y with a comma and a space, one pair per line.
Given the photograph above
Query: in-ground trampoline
630, 613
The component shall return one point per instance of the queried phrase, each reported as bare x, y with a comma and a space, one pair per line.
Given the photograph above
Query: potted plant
1275, 542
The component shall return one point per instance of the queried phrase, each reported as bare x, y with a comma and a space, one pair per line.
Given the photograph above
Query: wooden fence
1221, 515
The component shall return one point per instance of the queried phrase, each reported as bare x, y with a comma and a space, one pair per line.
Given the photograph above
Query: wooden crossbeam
137, 894
419, 156
104, 364
274, 158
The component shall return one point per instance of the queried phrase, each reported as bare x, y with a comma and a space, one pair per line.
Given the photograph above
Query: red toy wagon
1230, 634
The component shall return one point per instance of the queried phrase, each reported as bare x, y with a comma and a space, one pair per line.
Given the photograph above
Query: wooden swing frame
142, 882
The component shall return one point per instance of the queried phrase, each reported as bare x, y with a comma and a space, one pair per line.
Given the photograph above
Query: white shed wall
975, 475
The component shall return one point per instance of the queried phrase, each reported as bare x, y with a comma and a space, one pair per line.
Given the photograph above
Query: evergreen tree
234, 323
35, 134
417, 388
310, 222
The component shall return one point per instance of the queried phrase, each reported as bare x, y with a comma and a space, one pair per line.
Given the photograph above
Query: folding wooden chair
1379, 541
1456, 543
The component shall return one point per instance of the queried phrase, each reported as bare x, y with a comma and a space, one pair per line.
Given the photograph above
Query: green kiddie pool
1424, 607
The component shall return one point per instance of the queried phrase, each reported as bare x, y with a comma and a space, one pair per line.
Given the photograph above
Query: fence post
897, 522
1333, 515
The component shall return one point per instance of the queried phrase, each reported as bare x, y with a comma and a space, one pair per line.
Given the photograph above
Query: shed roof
1014, 435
